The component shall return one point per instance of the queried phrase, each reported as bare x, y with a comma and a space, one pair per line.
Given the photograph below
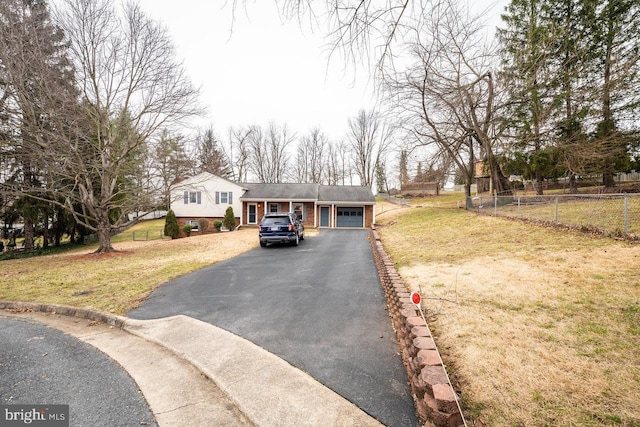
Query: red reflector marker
415, 298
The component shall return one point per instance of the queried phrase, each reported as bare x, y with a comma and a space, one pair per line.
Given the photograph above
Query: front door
324, 216
252, 214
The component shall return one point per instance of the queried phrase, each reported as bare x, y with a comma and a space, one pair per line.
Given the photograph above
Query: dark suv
281, 228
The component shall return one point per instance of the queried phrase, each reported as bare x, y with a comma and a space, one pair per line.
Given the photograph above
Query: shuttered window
224, 197
192, 197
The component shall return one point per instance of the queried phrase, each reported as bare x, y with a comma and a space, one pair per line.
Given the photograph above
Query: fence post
518, 207
495, 205
556, 214
626, 214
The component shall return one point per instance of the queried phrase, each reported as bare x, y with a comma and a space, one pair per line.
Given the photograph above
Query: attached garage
350, 217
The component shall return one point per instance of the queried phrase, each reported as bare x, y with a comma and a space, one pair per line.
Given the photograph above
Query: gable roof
307, 192
202, 178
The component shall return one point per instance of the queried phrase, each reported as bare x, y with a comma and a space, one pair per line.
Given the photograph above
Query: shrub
229, 220
203, 224
171, 225
217, 225
187, 229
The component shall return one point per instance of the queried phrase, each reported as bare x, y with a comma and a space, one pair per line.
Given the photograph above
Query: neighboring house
205, 196
316, 205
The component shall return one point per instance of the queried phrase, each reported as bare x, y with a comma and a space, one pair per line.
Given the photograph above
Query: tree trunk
104, 235
467, 188
539, 186
59, 227
573, 188
45, 230
608, 178
28, 231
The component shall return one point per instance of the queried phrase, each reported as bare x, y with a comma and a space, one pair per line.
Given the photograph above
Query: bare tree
357, 29
131, 88
368, 137
310, 157
447, 96
269, 156
237, 152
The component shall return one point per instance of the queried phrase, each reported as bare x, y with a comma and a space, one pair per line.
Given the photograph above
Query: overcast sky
264, 70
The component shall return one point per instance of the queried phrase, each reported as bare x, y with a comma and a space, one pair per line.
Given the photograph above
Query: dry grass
539, 327
116, 282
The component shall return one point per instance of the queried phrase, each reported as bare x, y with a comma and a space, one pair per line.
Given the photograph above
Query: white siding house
205, 196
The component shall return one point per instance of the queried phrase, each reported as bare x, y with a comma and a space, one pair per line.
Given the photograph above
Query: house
205, 196
331, 206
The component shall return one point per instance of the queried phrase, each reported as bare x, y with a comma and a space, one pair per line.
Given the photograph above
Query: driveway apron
319, 306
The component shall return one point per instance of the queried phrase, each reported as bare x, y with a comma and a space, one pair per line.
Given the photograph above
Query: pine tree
404, 168
229, 220
171, 228
616, 67
209, 157
527, 46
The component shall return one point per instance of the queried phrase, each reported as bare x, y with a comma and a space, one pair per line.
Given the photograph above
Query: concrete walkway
193, 373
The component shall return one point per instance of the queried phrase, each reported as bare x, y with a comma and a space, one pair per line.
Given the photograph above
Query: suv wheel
263, 244
297, 241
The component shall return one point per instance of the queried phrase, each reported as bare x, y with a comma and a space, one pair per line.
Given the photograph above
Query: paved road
319, 306
40, 365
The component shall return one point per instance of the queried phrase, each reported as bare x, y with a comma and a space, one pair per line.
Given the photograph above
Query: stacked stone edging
435, 401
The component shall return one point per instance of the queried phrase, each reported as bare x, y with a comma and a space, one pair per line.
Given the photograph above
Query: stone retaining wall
433, 395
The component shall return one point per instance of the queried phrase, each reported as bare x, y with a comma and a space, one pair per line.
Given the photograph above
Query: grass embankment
116, 282
539, 327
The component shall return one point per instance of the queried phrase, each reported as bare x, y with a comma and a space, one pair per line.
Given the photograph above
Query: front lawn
538, 327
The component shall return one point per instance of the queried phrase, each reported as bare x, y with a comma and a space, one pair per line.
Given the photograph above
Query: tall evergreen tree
527, 45
209, 156
35, 83
616, 72
404, 168
171, 162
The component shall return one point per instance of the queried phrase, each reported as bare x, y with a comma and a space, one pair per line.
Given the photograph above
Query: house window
194, 223
224, 197
192, 197
273, 207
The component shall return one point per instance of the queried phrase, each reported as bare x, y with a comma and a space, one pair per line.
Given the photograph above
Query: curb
66, 310
436, 403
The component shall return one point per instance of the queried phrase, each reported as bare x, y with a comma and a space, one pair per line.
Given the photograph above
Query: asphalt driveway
40, 365
319, 306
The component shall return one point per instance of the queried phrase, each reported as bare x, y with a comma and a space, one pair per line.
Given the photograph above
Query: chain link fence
395, 200
611, 214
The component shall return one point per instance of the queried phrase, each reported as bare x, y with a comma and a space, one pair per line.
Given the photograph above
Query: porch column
315, 214
373, 220
332, 220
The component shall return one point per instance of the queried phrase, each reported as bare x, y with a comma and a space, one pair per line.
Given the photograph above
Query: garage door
350, 217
